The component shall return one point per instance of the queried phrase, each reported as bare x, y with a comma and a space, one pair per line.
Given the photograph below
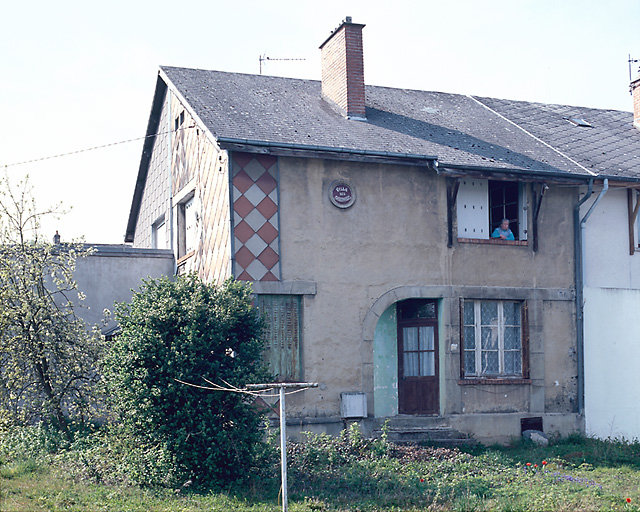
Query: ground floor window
282, 315
493, 339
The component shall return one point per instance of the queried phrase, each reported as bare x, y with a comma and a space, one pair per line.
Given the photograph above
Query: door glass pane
489, 312
426, 338
417, 308
490, 362
427, 364
410, 338
411, 364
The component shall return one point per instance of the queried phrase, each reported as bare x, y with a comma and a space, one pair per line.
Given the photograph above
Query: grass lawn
352, 474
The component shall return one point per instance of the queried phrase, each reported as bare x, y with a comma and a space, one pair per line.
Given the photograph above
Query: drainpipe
579, 232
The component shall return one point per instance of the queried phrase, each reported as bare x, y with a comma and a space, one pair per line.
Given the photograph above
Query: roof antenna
632, 61
263, 58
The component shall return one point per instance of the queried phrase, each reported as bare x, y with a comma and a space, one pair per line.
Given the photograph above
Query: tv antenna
632, 61
263, 58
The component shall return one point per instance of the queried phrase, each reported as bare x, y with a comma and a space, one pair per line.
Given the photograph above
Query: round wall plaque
342, 194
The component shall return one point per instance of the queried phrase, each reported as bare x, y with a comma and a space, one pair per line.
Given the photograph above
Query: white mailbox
353, 405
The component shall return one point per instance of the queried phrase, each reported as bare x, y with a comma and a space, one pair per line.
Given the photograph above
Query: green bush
186, 330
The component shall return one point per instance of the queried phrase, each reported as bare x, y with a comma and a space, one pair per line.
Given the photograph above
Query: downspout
579, 232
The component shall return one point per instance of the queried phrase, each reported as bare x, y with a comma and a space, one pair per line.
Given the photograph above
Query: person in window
503, 231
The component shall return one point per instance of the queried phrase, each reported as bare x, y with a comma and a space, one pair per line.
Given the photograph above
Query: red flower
544, 462
628, 500
422, 479
535, 465
528, 463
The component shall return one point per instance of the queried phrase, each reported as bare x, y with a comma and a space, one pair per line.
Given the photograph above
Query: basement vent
534, 423
353, 405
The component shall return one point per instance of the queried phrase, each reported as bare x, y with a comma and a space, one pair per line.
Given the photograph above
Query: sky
76, 75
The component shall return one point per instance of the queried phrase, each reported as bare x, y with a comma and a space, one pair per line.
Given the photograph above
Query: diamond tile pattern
256, 228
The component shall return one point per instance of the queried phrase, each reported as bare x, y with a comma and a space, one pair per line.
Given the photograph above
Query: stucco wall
612, 360
109, 275
395, 237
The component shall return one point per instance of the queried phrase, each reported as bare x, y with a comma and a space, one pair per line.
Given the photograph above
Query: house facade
362, 216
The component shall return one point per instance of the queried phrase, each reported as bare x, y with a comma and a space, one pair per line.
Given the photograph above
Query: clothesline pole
282, 386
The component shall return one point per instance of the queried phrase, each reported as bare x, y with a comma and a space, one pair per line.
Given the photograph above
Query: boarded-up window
282, 334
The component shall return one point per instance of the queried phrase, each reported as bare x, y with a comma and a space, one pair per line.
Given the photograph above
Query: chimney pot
343, 70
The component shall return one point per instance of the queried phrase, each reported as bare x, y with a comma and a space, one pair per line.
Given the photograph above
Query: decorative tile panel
255, 207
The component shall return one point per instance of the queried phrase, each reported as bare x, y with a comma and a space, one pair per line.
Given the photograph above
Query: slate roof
611, 147
455, 129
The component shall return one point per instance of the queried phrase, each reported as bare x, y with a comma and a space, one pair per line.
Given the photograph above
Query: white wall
612, 362
607, 260
612, 321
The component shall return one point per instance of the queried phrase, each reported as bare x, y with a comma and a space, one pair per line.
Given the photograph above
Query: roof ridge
533, 136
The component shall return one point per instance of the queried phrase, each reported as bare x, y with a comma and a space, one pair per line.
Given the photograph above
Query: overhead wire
92, 148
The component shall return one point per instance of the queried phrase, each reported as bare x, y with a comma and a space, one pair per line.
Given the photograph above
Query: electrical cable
93, 148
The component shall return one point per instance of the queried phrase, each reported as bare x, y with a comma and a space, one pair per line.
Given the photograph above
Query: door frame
431, 383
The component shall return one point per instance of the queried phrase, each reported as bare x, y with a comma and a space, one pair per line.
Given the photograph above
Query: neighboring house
110, 274
606, 142
362, 217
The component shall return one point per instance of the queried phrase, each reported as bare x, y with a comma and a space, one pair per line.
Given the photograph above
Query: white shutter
473, 209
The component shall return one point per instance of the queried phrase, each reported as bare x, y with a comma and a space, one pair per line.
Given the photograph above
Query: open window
483, 204
494, 339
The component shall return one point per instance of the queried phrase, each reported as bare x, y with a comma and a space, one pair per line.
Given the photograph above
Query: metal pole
283, 449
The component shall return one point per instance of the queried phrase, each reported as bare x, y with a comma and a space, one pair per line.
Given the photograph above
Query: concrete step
423, 430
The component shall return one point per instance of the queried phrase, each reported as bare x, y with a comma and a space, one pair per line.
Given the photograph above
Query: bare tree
47, 356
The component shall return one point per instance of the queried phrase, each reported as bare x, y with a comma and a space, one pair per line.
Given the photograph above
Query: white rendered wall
607, 260
611, 321
612, 362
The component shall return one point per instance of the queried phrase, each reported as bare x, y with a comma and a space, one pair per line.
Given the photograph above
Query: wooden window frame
524, 378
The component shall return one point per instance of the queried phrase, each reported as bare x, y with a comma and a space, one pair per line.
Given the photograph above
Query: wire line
93, 148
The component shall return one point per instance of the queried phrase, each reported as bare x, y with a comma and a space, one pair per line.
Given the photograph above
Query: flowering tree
47, 356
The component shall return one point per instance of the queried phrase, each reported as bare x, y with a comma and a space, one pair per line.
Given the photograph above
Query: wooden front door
418, 390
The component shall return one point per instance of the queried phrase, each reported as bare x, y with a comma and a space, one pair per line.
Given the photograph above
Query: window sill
492, 381
184, 258
492, 241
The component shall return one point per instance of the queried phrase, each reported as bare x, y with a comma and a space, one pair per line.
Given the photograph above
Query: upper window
159, 234
493, 343
187, 227
282, 334
482, 205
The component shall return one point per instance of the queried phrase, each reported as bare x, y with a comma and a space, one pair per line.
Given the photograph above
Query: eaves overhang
511, 173
147, 150
327, 152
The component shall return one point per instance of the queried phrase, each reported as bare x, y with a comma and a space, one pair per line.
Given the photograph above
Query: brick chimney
635, 92
343, 69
